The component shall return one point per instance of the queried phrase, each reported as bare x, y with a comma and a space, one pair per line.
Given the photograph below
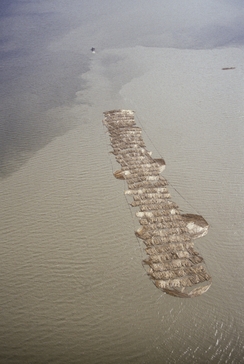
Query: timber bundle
172, 263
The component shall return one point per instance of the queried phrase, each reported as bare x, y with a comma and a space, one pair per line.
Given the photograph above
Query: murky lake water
73, 289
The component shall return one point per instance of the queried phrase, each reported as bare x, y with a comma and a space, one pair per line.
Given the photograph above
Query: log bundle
172, 262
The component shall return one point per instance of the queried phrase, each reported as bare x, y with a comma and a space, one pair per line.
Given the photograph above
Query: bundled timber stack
172, 263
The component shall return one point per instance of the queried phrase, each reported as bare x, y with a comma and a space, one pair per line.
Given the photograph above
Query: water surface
73, 286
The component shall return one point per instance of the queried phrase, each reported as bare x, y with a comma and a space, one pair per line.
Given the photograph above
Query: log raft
172, 263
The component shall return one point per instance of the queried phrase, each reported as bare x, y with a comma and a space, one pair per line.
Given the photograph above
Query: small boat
228, 68
93, 50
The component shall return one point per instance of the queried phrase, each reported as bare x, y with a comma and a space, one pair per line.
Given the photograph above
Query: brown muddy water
73, 289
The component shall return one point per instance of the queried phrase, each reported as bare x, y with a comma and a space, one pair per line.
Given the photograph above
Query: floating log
196, 225
161, 164
118, 175
172, 263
